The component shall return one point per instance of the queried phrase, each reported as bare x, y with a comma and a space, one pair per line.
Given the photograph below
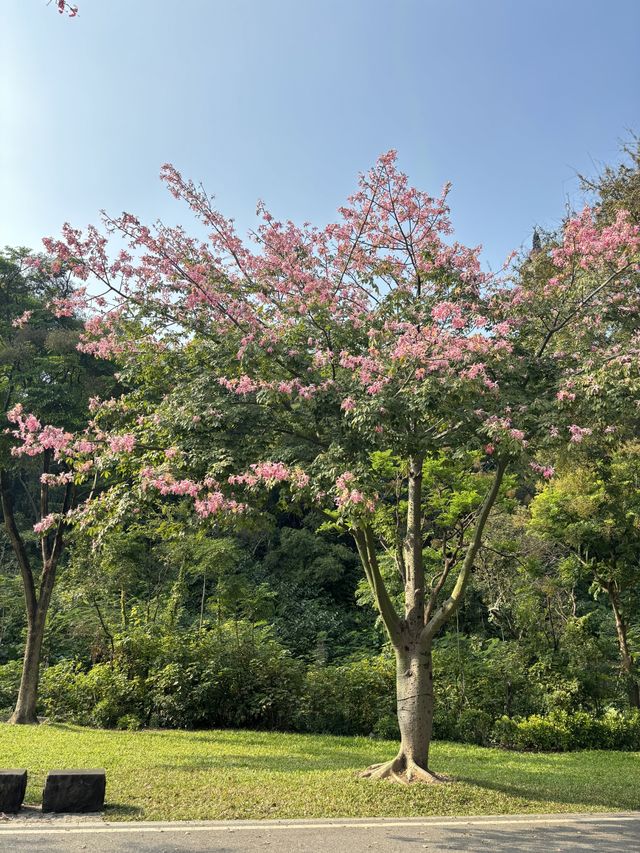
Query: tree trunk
412, 636
414, 688
37, 605
625, 653
25, 710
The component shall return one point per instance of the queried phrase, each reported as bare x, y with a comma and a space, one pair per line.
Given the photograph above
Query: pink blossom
22, 320
46, 523
547, 471
57, 479
578, 433
122, 443
83, 445
14, 413
32, 423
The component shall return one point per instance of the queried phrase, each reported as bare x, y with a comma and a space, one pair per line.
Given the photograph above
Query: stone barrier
13, 784
74, 791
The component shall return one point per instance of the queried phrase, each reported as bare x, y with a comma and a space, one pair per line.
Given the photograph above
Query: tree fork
412, 644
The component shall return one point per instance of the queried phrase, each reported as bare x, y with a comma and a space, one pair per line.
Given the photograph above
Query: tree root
404, 771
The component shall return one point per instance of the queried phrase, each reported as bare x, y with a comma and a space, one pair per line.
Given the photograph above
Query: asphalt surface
526, 834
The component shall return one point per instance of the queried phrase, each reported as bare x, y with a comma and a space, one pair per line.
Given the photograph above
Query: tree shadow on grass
271, 763
531, 789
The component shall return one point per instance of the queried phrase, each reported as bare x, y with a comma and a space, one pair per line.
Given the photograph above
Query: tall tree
335, 363
40, 370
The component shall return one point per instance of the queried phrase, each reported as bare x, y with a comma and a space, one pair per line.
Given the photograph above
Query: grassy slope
156, 775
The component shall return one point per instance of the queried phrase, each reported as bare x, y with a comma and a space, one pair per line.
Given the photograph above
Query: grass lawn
179, 775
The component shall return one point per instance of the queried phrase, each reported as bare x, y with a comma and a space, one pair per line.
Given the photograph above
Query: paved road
539, 834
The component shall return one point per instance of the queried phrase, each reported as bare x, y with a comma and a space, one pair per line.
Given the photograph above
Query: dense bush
236, 675
99, 697
560, 731
9, 683
354, 699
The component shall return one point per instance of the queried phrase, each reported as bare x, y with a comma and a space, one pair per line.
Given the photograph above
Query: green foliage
9, 682
561, 731
99, 697
355, 698
235, 675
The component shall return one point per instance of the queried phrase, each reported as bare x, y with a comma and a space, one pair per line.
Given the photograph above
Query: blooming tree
333, 363
41, 370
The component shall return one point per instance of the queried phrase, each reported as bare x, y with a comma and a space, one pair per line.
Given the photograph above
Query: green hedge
561, 731
239, 675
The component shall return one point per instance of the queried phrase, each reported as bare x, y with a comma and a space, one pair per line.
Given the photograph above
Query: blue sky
287, 100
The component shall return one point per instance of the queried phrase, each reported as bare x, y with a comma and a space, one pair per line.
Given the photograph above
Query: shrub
99, 697
561, 731
235, 675
357, 698
474, 726
61, 693
10, 674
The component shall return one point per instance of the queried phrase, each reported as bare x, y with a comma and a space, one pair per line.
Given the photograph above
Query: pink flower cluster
502, 428
211, 503
70, 305
22, 320
167, 484
46, 523
270, 473
63, 7
587, 244
578, 433
246, 385
348, 496
34, 437
449, 312
122, 443
547, 471
57, 479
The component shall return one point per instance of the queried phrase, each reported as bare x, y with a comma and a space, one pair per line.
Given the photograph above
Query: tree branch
453, 602
366, 549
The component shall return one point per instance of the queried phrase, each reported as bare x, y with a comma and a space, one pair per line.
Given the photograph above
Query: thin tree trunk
625, 653
25, 710
36, 603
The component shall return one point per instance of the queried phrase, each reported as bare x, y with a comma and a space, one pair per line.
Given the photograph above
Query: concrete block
74, 791
13, 784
